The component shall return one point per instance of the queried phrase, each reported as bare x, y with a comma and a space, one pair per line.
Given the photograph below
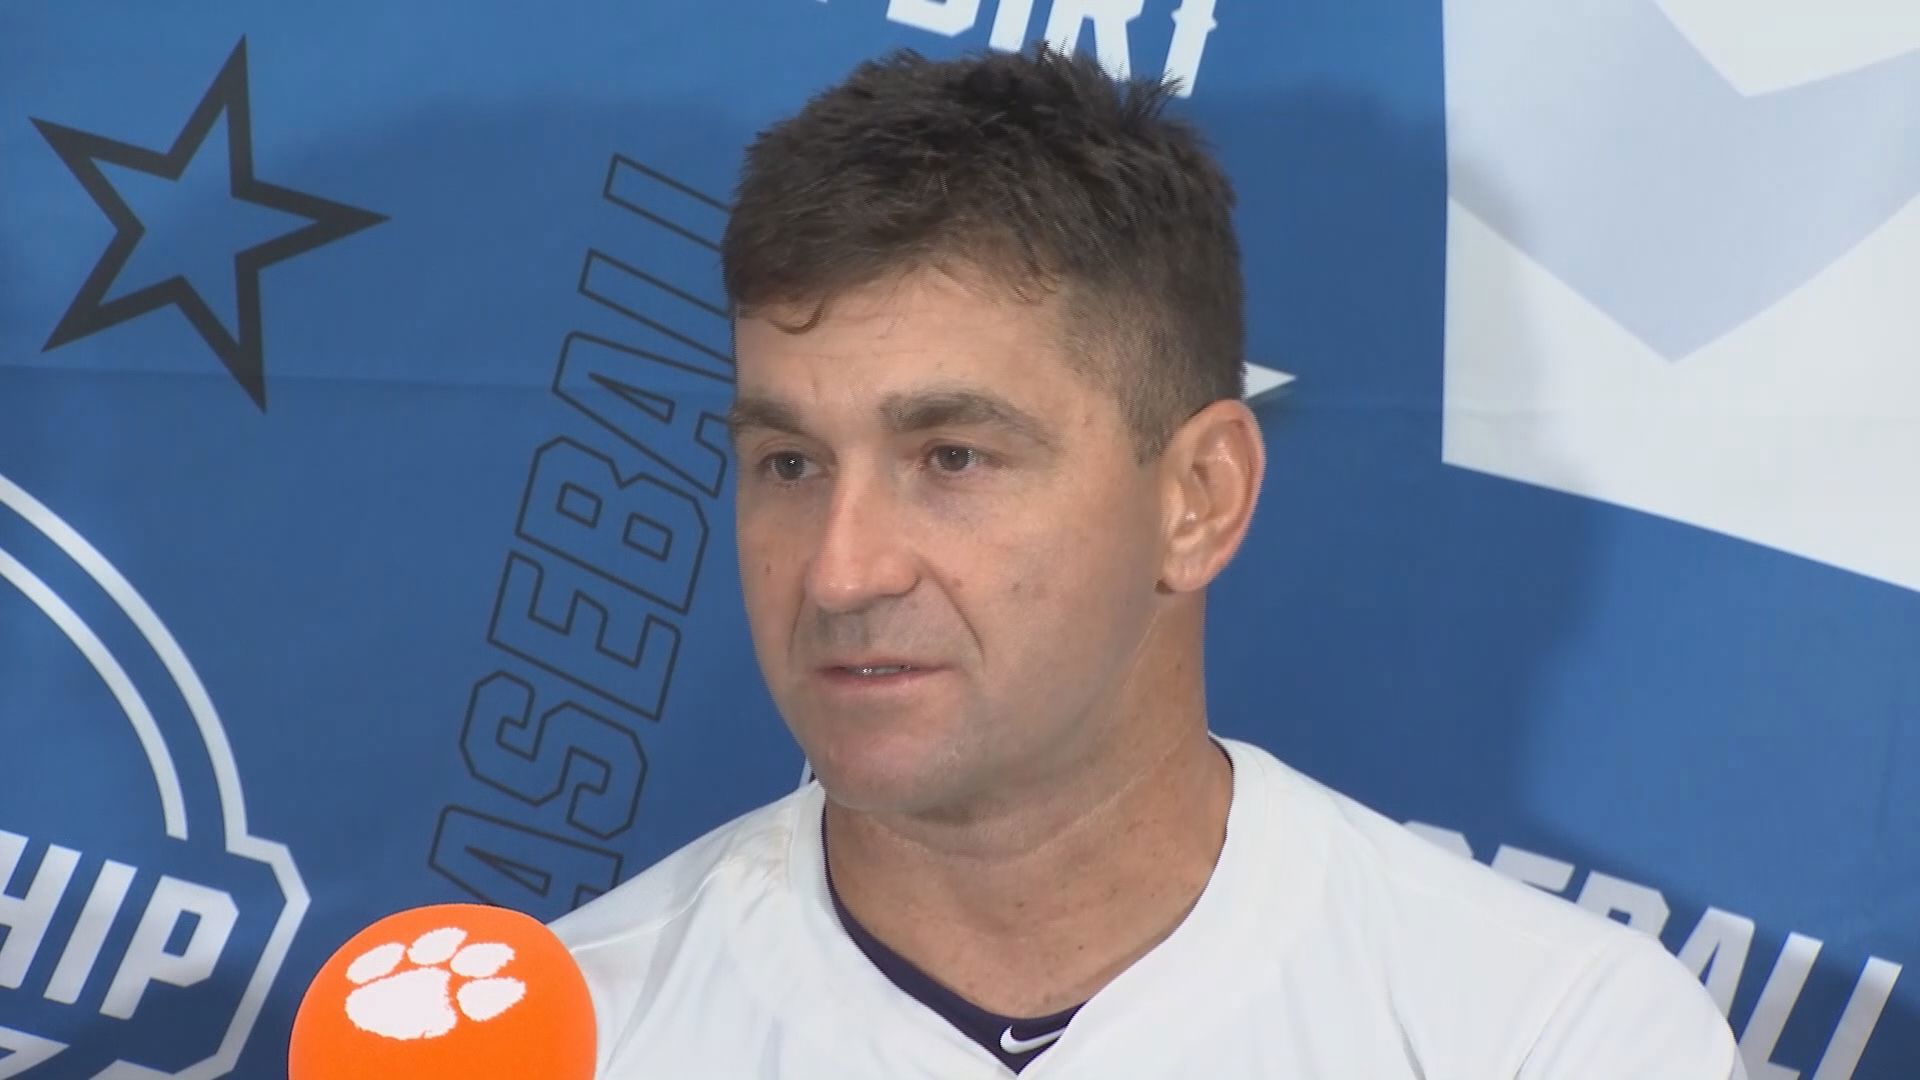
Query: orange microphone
450, 991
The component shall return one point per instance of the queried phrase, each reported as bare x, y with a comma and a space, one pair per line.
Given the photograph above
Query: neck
1031, 908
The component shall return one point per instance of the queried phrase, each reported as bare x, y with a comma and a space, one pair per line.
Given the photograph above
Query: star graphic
91, 312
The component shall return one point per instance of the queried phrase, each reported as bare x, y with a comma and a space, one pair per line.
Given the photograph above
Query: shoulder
683, 902
1411, 896
1481, 970
1632, 1010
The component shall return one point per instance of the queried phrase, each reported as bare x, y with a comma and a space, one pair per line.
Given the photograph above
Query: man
992, 452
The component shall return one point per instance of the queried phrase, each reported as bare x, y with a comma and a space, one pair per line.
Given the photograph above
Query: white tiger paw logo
417, 1003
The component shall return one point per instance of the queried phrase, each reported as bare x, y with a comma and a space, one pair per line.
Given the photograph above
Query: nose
862, 554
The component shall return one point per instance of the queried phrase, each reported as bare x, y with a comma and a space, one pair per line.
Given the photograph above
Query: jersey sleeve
1634, 1011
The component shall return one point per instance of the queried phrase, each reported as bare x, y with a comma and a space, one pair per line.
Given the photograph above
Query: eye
787, 466
954, 459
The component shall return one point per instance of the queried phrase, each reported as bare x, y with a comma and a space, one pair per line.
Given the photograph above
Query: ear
1210, 480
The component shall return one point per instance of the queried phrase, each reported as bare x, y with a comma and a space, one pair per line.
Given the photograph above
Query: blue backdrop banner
365, 516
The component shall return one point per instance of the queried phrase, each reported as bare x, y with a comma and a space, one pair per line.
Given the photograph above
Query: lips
871, 667
861, 677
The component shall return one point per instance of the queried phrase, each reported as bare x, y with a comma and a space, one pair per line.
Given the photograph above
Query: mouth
874, 665
872, 670
875, 672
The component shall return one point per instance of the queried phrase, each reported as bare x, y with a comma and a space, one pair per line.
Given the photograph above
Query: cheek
1046, 586
764, 540
766, 567
1095, 571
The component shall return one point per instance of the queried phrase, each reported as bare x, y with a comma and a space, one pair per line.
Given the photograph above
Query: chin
882, 775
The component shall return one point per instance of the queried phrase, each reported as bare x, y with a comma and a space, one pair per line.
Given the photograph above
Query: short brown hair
1035, 168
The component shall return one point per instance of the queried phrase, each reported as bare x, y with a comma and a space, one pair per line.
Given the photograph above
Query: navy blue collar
1016, 1041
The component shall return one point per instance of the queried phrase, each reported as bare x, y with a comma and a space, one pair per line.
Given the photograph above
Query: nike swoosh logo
1026, 1046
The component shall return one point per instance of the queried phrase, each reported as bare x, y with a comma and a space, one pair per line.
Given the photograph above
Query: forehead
896, 334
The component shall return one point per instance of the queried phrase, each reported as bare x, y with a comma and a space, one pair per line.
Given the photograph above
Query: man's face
948, 551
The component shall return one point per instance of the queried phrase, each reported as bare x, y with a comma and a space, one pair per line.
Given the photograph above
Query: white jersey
1329, 942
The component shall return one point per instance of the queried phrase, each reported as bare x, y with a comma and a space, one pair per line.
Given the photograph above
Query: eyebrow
906, 413
751, 413
903, 414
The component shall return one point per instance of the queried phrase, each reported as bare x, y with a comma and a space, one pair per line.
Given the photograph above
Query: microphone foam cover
450, 991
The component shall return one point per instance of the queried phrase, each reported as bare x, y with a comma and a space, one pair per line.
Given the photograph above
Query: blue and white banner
365, 517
